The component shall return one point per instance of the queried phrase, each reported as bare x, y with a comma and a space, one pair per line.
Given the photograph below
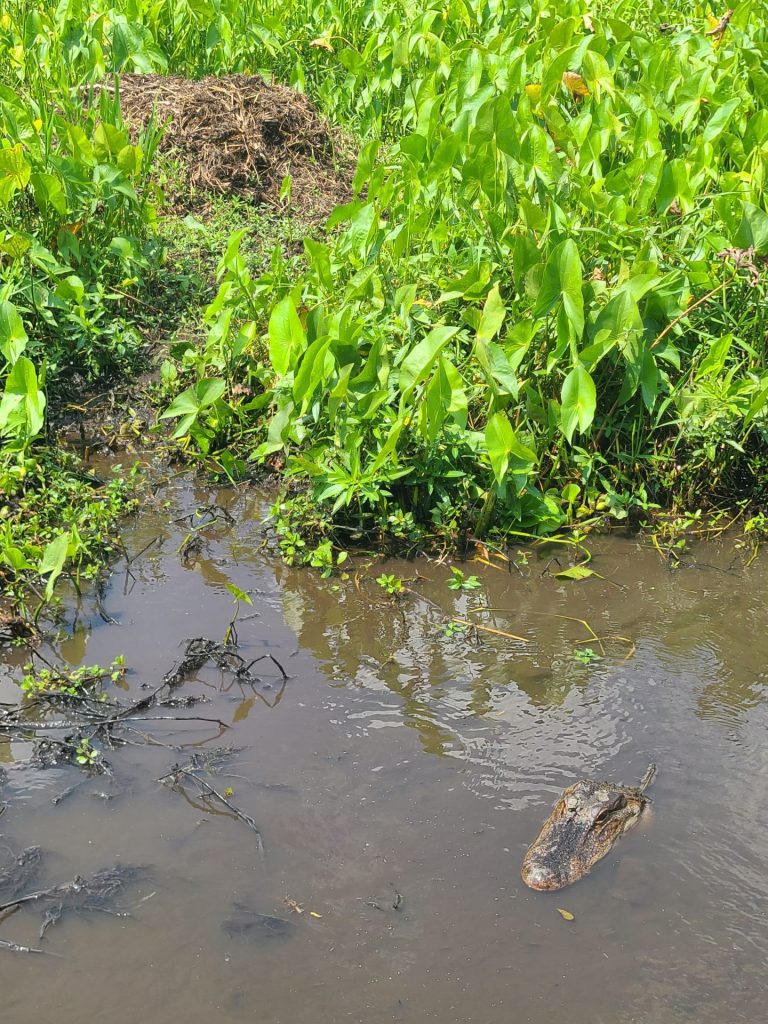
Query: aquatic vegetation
67, 681
542, 305
460, 581
391, 584
545, 300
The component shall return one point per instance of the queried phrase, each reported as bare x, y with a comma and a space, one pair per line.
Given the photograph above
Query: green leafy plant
452, 629
586, 656
71, 681
459, 581
543, 305
86, 754
548, 357
391, 584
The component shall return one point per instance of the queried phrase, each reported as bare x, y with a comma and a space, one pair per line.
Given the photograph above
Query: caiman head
586, 822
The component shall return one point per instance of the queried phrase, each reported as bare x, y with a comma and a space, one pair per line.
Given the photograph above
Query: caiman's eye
615, 805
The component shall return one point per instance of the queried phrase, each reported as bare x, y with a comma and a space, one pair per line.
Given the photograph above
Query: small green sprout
459, 581
392, 584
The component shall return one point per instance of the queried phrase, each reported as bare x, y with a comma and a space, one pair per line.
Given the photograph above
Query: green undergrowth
546, 302
52, 514
544, 305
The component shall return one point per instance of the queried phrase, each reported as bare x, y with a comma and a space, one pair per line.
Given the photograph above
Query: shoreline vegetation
475, 271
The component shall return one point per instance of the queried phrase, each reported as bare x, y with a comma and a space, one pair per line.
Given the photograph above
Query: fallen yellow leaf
575, 84
314, 913
566, 914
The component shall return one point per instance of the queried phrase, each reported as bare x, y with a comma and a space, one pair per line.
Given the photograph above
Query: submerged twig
16, 947
213, 763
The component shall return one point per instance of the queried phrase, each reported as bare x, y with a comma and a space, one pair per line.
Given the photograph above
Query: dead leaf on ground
566, 914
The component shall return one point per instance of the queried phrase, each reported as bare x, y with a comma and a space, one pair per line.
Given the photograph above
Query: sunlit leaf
286, 335
419, 360
52, 562
13, 337
578, 402
238, 594
575, 84
576, 572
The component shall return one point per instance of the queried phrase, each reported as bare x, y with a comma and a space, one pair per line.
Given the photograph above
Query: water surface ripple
397, 780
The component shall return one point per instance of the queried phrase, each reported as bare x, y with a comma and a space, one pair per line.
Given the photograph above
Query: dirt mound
238, 134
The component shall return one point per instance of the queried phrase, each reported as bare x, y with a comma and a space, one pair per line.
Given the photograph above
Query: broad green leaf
108, 140
457, 406
13, 337
578, 402
238, 594
649, 380
497, 367
15, 246
499, 437
536, 155
562, 284
717, 124
312, 370
286, 336
365, 164
492, 317
758, 402
14, 166
232, 252
49, 192
276, 434
52, 562
503, 447
130, 159
209, 391
22, 409
389, 446
190, 403
576, 572
419, 360
714, 361
434, 408
320, 256
753, 229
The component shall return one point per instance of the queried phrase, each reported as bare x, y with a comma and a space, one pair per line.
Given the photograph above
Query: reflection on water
397, 778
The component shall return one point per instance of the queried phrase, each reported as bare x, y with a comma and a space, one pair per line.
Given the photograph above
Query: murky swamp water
402, 766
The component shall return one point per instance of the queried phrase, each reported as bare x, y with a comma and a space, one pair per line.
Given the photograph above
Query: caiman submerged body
585, 823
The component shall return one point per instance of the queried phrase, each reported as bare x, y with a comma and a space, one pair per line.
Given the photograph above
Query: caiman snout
538, 876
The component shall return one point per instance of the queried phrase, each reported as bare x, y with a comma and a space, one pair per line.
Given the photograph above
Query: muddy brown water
399, 765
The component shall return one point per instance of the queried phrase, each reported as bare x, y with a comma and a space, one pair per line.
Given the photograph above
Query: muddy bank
397, 777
